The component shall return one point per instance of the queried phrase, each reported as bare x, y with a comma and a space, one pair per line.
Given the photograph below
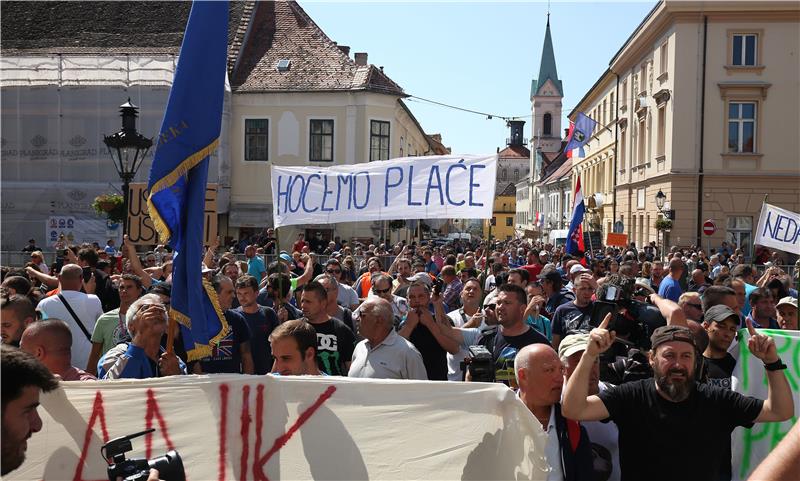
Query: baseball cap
572, 344
787, 301
420, 277
671, 333
286, 257
577, 268
544, 253
645, 284
719, 313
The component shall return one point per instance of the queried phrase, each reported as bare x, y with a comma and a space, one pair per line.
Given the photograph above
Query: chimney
345, 49
361, 58
437, 137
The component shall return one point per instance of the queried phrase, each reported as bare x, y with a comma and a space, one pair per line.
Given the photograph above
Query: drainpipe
700, 174
616, 150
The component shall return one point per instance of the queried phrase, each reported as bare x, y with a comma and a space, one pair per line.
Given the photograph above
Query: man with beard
23, 378
672, 411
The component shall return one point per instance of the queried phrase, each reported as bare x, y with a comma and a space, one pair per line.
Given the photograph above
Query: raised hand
600, 339
762, 346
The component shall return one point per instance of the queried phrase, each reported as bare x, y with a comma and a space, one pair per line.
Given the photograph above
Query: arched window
505, 174
548, 124
516, 175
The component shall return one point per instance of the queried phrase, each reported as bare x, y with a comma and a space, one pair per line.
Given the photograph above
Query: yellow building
503, 215
706, 112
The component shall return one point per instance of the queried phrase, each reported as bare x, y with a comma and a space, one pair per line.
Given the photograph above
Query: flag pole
752, 243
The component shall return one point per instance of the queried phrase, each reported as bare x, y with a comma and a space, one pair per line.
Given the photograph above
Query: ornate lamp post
660, 200
128, 149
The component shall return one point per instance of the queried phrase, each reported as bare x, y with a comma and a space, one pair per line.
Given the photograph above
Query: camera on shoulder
479, 363
169, 466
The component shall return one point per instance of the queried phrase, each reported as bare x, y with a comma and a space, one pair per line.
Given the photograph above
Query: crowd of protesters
656, 362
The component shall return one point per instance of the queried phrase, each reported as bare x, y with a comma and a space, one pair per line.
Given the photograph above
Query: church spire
547, 66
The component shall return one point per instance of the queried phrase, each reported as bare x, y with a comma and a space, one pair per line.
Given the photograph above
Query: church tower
546, 95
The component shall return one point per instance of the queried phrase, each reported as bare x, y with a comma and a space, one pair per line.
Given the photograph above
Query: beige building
596, 169
707, 113
304, 101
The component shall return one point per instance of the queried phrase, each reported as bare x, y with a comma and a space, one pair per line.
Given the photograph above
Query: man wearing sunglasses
346, 297
382, 287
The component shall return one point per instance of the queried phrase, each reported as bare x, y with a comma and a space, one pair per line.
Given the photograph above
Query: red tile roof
515, 152
283, 31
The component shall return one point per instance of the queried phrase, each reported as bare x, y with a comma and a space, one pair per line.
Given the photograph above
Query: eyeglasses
381, 291
696, 306
333, 271
489, 306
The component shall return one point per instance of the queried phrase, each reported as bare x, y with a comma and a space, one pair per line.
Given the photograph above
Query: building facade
503, 214
707, 113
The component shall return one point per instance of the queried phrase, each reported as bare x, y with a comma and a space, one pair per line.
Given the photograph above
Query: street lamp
128, 149
660, 199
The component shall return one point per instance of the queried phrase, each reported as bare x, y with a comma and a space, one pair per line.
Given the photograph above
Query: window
641, 143
320, 146
516, 175
548, 124
256, 139
664, 58
741, 127
623, 101
640, 199
623, 143
504, 174
509, 221
662, 130
744, 49
378, 140
643, 79
612, 109
740, 230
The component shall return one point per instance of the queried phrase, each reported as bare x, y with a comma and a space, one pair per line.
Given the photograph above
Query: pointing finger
750, 328
606, 321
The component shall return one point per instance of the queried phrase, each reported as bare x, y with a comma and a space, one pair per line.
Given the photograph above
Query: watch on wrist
775, 366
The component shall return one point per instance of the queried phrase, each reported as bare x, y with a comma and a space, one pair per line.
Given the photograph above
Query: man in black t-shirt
260, 319
335, 341
554, 290
574, 316
512, 334
425, 332
670, 426
231, 353
721, 323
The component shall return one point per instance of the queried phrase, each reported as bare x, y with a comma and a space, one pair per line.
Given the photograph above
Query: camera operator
469, 318
575, 315
23, 378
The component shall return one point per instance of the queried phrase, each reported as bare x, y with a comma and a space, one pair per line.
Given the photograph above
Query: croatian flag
580, 134
575, 244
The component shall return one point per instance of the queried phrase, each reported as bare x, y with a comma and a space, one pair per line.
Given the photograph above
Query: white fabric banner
751, 446
263, 427
433, 187
779, 229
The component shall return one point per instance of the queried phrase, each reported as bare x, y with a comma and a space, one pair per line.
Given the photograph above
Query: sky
479, 56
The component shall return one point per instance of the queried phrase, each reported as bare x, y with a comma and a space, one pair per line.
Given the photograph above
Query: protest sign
751, 446
779, 229
433, 187
263, 427
618, 240
141, 230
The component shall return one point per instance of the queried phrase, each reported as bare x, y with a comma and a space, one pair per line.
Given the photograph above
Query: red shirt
298, 246
533, 271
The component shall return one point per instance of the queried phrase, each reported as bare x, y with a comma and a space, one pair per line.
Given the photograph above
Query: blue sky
479, 55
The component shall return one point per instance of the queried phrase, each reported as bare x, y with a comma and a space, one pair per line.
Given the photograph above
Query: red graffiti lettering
245, 432
223, 426
258, 474
281, 440
98, 412
154, 411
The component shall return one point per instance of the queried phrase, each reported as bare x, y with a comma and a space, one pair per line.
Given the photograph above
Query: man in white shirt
384, 354
86, 307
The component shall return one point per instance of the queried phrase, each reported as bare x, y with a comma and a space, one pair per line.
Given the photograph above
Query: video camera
629, 317
169, 466
479, 363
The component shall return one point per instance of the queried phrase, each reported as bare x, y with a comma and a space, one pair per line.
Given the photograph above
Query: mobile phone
87, 274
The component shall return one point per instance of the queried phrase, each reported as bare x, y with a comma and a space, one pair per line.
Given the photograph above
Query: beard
675, 390
12, 454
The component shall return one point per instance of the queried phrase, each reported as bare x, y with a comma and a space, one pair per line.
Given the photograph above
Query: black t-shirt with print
335, 345
504, 349
226, 355
261, 324
652, 428
570, 318
719, 371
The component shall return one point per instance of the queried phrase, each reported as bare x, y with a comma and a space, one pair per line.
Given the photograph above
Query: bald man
50, 341
79, 310
540, 377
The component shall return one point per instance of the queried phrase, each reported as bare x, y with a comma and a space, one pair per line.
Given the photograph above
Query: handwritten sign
778, 228
141, 230
263, 427
619, 240
433, 187
751, 446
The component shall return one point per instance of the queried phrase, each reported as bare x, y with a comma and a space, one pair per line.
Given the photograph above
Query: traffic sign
709, 227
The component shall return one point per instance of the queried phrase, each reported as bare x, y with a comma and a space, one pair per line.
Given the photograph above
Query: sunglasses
489, 306
381, 291
333, 271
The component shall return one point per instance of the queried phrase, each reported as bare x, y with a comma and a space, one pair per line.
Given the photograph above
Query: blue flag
581, 133
177, 185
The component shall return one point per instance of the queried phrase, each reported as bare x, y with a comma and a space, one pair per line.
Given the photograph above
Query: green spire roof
547, 67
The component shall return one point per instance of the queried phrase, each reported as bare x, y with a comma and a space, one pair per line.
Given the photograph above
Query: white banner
779, 229
262, 427
434, 187
751, 446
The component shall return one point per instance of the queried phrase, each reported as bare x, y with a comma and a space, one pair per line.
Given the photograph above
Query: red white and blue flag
574, 245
